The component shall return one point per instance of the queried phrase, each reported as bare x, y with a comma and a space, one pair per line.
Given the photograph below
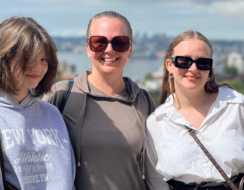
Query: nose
193, 67
36, 66
109, 47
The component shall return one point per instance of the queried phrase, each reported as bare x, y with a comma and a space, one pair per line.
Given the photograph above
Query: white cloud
71, 17
68, 32
226, 8
235, 8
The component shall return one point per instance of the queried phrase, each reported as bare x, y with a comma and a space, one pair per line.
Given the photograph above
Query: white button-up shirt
173, 154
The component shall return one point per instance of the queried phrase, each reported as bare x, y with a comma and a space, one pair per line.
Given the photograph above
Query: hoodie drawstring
80, 128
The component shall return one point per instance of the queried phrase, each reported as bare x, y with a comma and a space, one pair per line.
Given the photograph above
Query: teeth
109, 59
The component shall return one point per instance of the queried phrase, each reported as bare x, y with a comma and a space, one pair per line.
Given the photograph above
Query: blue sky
216, 19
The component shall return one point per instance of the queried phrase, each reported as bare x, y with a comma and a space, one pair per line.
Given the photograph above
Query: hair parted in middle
110, 14
21, 40
168, 81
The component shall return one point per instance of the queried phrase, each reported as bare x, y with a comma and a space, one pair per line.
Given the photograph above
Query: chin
194, 87
33, 86
111, 71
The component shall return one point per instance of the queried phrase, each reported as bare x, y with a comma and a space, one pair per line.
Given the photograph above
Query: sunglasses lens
204, 64
186, 63
183, 62
121, 43
98, 43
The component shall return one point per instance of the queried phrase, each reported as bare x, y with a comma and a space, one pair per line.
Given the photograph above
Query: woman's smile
191, 77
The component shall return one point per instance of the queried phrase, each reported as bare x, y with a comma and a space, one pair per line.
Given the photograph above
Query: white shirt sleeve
154, 179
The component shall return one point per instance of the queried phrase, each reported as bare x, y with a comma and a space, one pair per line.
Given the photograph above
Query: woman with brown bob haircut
35, 145
21, 40
192, 102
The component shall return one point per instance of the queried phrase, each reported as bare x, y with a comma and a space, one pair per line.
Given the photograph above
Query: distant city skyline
218, 19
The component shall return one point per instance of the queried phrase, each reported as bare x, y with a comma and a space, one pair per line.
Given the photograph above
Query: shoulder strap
66, 95
148, 100
221, 171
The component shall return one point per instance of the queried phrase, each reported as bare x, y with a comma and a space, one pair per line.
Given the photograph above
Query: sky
216, 19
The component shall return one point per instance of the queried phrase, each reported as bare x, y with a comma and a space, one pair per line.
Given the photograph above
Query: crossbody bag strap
221, 171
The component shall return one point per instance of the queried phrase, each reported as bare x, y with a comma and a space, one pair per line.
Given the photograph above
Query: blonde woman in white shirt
191, 97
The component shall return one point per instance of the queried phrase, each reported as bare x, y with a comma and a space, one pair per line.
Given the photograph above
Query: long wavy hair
21, 40
168, 81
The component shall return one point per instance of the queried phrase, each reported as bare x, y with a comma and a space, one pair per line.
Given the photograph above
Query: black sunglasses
100, 43
186, 62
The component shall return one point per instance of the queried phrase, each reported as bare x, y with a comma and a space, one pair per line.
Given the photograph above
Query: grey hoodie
109, 145
37, 149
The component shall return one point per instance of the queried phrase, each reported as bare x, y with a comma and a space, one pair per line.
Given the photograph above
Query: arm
154, 179
73, 164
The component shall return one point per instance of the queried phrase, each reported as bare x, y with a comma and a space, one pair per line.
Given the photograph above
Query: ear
88, 51
169, 65
130, 51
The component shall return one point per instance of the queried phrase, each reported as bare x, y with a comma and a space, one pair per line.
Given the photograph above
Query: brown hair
168, 82
22, 39
110, 14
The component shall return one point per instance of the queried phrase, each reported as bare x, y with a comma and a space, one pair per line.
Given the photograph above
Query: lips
33, 76
192, 78
109, 59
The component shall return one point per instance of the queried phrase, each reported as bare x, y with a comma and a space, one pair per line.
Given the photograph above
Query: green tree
237, 84
232, 70
148, 76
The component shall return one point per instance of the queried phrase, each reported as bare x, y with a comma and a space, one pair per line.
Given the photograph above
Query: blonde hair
168, 82
110, 14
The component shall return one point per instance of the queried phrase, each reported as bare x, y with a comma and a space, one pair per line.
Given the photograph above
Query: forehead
193, 47
108, 27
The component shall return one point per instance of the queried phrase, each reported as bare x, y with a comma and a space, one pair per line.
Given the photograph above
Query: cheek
205, 74
180, 72
95, 55
45, 68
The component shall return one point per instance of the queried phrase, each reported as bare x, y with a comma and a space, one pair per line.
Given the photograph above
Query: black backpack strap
148, 100
66, 95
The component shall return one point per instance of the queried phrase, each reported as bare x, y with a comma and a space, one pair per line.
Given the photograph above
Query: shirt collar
225, 95
162, 109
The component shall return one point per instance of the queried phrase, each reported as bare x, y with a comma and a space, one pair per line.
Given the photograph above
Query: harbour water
136, 69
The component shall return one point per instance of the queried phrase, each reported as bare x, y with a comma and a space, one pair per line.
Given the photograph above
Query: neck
190, 99
109, 84
20, 96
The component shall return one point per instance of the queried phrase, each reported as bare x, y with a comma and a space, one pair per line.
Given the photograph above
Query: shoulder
56, 94
59, 86
145, 98
163, 111
47, 107
153, 118
230, 96
50, 114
